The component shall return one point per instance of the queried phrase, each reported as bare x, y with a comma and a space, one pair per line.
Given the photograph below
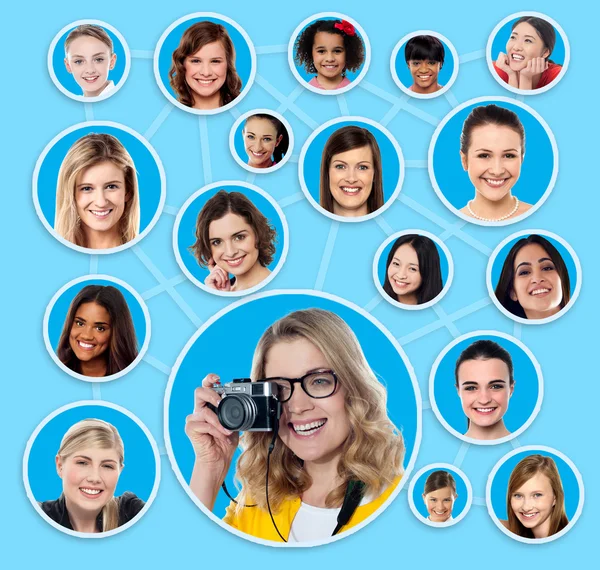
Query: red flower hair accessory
345, 27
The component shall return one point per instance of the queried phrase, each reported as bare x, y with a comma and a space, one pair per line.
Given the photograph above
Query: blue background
244, 326
66, 79
243, 60
405, 75
521, 404
461, 490
145, 166
501, 38
389, 158
324, 254
186, 236
564, 253
61, 308
500, 483
240, 147
351, 75
137, 476
382, 269
536, 169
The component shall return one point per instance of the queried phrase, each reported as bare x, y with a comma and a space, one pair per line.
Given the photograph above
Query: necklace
511, 213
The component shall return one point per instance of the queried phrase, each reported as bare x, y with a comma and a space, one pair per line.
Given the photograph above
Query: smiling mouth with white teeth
205, 81
540, 291
400, 283
235, 262
529, 515
89, 492
495, 182
305, 430
350, 190
85, 345
517, 57
485, 410
100, 214
90, 79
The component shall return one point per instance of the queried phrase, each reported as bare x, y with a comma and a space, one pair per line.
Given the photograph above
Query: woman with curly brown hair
334, 435
203, 73
233, 237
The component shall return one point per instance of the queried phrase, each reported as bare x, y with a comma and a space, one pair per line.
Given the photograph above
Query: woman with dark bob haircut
351, 173
203, 73
534, 282
413, 274
98, 337
233, 237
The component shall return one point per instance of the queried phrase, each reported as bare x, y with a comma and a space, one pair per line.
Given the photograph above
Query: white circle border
79, 404
149, 148
275, 293
82, 98
490, 287
348, 119
447, 467
363, 36
437, 242
99, 277
215, 16
490, 99
246, 166
490, 61
532, 359
403, 87
500, 463
247, 186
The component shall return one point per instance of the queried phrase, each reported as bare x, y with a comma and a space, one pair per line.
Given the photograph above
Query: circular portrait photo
329, 53
89, 60
91, 469
528, 53
534, 494
335, 440
413, 269
204, 63
534, 277
493, 161
440, 495
486, 387
351, 169
424, 64
230, 238
99, 187
261, 141
97, 328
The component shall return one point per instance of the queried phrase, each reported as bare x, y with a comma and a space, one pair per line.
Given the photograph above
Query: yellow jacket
257, 522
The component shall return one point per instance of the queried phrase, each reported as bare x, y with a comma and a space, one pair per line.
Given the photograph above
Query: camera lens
237, 412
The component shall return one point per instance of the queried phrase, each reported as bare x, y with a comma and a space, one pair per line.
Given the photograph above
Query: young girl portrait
424, 56
328, 50
439, 495
333, 438
97, 197
98, 337
89, 462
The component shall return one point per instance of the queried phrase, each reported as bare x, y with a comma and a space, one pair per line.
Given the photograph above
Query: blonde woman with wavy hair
89, 462
97, 198
333, 432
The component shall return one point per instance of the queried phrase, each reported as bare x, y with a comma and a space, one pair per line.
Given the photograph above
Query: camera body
247, 405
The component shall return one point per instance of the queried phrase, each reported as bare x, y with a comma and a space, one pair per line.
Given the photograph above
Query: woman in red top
525, 65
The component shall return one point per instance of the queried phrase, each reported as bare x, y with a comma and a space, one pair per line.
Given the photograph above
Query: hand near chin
503, 63
217, 278
535, 66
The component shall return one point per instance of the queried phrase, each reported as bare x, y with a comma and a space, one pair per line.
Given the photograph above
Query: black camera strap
354, 494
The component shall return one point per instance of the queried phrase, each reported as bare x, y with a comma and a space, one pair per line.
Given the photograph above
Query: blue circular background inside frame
60, 309
240, 147
351, 75
564, 253
186, 236
138, 475
243, 56
382, 269
67, 80
390, 163
536, 170
503, 34
254, 318
522, 403
499, 486
461, 490
148, 173
405, 75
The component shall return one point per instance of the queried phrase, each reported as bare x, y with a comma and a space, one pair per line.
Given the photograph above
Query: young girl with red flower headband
329, 48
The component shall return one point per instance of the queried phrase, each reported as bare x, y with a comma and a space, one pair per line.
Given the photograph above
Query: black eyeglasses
317, 384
